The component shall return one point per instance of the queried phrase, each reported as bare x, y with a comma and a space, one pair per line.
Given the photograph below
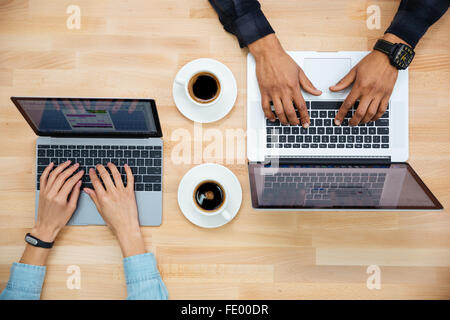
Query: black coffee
205, 87
209, 196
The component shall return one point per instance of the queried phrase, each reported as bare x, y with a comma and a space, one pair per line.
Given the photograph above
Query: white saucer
209, 113
204, 172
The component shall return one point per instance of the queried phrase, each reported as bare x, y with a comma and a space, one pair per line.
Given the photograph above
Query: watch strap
36, 242
384, 46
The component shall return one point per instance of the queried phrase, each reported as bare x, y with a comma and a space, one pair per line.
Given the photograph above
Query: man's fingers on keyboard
44, 176
360, 111
307, 84
382, 108
346, 106
279, 110
290, 111
265, 102
347, 80
371, 110
303, 111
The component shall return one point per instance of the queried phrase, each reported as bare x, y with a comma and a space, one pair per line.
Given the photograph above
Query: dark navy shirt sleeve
243, 18
414, 17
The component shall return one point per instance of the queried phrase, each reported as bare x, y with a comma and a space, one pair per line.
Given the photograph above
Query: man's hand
117, 205
280, 80
55, 205
373, 80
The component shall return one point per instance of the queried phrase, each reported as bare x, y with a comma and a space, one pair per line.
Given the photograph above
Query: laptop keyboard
323, 133
319, 187
145, 161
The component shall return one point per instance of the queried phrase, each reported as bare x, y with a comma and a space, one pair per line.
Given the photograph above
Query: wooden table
134, 49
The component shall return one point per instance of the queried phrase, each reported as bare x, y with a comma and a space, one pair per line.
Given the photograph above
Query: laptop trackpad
326, 72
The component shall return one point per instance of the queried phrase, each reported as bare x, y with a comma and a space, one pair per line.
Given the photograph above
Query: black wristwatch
400, 55
37, 242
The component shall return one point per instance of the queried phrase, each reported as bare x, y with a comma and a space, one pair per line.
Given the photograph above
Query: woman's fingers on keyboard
116, 175
96, 183
61, 179
130, 177
55, 173
106, 178
70, 183
93, 196
45, 174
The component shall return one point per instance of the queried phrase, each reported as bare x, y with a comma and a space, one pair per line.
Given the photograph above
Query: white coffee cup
189, 81
222, 210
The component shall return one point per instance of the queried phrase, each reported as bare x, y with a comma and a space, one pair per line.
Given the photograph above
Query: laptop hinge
328, 160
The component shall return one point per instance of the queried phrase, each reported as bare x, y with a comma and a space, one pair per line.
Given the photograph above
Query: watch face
31, 240
403, 56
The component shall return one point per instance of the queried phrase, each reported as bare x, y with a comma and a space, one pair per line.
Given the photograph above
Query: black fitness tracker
400, 55
37, 242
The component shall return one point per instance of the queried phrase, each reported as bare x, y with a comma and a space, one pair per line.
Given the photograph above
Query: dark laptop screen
76, 116
394, 186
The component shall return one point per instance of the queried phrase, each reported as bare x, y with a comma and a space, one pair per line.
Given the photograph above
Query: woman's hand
117, 205
58, 198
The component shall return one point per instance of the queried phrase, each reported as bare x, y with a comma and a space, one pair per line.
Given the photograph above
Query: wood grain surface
134, 49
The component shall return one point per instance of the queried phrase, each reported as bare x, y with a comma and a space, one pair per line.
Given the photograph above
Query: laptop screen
89, 116
393, 186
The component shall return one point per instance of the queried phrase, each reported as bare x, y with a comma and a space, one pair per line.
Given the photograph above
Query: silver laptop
100, 130
327, 166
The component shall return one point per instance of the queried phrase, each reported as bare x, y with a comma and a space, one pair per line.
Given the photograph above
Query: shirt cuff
251, 27
140, 267
401, 27
411, 23
26, 277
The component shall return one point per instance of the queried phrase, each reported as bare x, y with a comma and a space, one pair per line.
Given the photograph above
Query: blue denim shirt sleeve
25, 282
243, 18
141, 272
143, 279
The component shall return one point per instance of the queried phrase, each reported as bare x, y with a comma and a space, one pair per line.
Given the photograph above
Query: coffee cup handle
226, 215
180, 81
